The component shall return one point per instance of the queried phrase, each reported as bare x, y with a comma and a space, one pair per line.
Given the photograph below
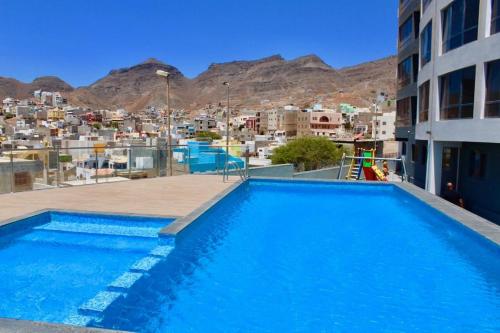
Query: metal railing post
189, 159
247, 160
129, 162
403, 160
169, 158
341, 167
96, 168
12, 177
157, 157
57, 163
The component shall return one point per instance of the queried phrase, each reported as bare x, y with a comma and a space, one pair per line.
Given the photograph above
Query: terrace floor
167, 196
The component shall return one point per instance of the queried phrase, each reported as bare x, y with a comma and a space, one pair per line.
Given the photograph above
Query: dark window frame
406, 111
466, 34
477, 164
456, 102
492, 101
426, 45
405, 72
414, 152
404, 39
495, 17
424, 101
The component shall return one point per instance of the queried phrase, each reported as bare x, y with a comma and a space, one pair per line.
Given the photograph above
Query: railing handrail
108, 147
225, 175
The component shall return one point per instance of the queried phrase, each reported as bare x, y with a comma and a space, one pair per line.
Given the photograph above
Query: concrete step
100, 229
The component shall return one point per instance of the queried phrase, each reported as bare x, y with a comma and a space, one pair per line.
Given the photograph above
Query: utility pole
227, 125
169, 134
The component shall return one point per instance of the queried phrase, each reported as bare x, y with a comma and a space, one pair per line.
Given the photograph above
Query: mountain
270, 81
135, 88
13, 88
371, 77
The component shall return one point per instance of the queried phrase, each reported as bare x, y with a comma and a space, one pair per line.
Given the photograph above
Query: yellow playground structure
363, 166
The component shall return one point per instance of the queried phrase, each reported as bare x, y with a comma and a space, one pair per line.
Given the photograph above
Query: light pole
227, 125
169, 136
379, 100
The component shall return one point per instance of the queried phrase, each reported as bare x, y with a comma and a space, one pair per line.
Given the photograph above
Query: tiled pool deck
167, 196
186, 197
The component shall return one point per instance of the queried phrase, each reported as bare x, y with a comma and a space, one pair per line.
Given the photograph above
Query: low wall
272, 171
326, 173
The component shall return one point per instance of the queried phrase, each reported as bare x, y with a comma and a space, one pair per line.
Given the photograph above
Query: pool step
97, 242
101, 229
94, 310
97, 305
106, 219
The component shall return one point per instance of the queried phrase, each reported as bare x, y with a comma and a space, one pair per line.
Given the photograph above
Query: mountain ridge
269, 81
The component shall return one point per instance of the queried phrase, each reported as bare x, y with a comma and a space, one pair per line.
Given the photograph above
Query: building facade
448, 112
407, 89
319, 123
459, 100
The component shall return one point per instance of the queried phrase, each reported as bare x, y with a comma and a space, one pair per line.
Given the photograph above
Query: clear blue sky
81, 40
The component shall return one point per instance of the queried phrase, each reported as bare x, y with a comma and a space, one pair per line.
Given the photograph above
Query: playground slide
378, 173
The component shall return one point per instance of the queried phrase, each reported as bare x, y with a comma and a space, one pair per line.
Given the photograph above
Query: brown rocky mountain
13, 88
267, 81
260, 83
374, 76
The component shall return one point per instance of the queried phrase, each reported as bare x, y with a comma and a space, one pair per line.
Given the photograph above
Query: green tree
208, 135
309, 153
97, 126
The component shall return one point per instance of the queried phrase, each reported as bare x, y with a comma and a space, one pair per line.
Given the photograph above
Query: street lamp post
169, 134
379, 100
227, 126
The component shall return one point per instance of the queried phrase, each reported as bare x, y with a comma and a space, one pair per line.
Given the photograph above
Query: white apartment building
458, 112
383, 127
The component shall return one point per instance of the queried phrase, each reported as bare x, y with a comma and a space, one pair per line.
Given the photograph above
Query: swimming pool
277, 256
61, 267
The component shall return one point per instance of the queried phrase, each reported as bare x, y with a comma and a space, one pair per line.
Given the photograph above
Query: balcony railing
36, 169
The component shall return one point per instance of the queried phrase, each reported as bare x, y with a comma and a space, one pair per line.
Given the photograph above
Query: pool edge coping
9, 325
474, 222
177, 226
15, 219
487, 229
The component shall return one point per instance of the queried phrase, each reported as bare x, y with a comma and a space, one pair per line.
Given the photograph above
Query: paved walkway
175, 196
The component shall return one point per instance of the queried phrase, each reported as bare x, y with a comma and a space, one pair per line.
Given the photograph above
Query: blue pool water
317, 257
53, 264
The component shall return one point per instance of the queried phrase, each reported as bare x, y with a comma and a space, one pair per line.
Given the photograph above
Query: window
495, 16
447, 157
425, 4
405, 31
416, 23
457, 93
406, 111
460, 20
423, 107
404, 72
492, 107
477, 164
415, 67
423, 154
426, 44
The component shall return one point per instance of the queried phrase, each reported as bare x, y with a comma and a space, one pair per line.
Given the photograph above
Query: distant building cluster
49, 141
